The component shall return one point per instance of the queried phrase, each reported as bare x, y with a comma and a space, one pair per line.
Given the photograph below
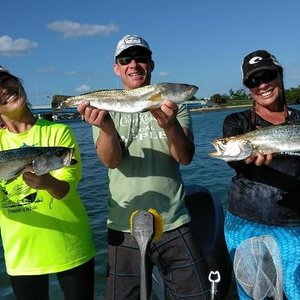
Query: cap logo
132, 40
129, 41
255, 60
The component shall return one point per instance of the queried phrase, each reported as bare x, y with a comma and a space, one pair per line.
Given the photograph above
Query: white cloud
49, 69
70, 29
163, 74
71, 72
83, 88
10, 47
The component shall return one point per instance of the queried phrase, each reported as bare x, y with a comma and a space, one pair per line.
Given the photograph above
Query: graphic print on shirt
140, 127
18, 197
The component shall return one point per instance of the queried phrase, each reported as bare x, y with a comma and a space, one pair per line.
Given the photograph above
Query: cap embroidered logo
255, 60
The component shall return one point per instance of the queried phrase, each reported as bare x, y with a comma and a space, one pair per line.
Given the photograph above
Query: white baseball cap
131, 40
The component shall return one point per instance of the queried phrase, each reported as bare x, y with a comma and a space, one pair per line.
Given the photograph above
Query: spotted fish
41, 159
130, 101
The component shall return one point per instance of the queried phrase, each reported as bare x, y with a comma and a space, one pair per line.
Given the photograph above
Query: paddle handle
143, 232
144, 289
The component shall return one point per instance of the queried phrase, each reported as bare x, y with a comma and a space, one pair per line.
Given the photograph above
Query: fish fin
16, 174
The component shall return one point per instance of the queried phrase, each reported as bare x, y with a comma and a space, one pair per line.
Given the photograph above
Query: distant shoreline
212, 108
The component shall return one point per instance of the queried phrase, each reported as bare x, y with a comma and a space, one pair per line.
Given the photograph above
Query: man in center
143, 153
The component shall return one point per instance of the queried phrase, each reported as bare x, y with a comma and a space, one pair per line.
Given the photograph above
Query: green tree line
292, 96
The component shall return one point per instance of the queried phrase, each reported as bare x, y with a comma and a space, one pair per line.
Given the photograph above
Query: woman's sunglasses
126, 60
254, 81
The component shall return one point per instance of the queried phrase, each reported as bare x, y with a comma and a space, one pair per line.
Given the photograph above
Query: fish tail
58, 102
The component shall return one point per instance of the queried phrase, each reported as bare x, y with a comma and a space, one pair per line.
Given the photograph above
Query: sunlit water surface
212, 173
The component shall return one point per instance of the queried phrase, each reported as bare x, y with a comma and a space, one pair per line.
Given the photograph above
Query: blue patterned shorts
288, 240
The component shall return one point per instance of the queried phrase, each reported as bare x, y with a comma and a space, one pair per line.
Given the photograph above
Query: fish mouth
67, 160
215, 154
219, 149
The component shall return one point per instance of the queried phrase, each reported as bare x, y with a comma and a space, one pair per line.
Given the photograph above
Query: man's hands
166, 114
93, 115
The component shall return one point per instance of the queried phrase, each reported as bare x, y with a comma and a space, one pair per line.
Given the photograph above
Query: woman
264, 198
44, 225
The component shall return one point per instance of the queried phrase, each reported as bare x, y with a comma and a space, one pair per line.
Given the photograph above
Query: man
143, 152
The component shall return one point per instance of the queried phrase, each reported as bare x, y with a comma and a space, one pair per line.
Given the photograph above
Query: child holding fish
143, 151
44, 225
264, 197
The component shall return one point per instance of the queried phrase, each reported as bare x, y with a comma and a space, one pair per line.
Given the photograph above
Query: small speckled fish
42, 160
284, 139
131, 101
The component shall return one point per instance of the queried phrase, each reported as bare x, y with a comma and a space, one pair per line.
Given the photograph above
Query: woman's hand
55, 187
259, 159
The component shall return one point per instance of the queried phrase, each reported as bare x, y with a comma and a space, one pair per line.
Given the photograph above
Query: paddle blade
142, 228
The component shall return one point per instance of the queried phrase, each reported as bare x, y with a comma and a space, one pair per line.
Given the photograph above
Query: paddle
142, 228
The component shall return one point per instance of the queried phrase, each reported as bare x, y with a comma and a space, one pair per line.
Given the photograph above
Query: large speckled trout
40, 160
131, 101
284, 139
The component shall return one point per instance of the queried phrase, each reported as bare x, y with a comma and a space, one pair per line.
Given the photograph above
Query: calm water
211, 173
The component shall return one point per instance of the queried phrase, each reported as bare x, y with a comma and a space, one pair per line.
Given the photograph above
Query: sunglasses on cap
126, 60
265, 77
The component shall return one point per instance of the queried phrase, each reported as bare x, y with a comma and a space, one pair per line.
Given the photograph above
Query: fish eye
224, 142
59, 153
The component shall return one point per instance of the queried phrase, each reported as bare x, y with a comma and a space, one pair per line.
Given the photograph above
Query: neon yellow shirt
41, 234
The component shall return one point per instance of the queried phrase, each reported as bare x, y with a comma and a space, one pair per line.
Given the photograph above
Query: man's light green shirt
148, 176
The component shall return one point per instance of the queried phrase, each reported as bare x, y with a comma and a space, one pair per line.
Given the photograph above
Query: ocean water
212, 173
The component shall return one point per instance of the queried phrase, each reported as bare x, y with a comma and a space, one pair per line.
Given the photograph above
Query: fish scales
283, 139
131, 101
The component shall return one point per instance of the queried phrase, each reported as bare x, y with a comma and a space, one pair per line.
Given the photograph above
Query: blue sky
66, 46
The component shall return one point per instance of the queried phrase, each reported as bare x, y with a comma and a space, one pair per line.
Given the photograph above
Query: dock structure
46, 112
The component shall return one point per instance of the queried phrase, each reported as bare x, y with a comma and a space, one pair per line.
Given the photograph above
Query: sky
66, 46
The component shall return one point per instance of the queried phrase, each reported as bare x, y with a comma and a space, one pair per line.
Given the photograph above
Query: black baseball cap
259, 60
